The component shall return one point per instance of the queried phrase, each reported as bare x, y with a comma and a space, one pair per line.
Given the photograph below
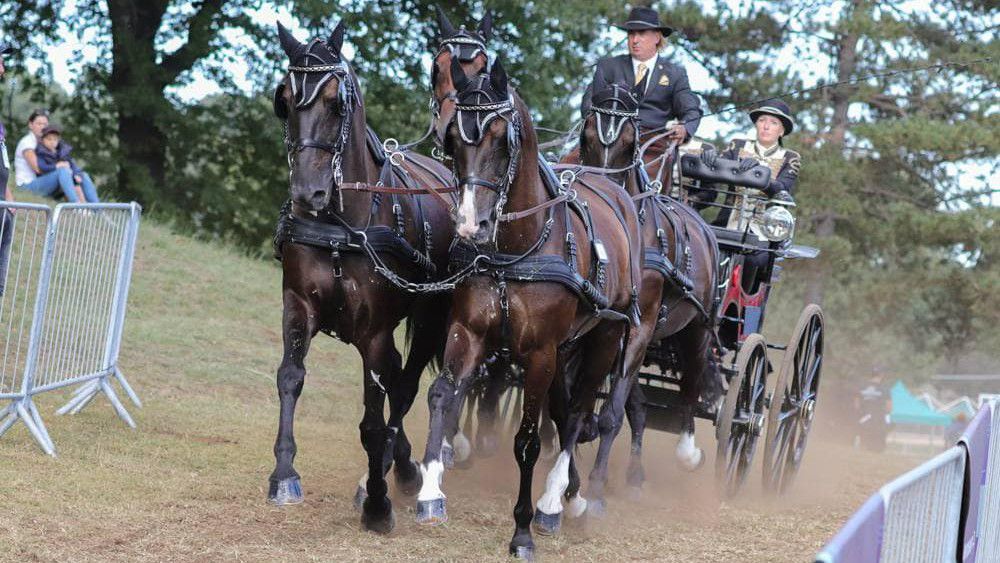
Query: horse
551, 273
678, 288
348, 259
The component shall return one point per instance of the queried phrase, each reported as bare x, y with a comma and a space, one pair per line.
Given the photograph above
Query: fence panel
79, 259
923, 509
861, 537
988, 529
976, 440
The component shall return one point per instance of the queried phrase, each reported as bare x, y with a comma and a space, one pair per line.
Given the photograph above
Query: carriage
762, 397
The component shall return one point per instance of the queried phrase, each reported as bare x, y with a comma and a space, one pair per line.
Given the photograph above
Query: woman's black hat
778, 109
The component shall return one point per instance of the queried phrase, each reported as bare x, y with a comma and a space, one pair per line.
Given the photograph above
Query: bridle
306, 91
624, 108
464, 46
473, 120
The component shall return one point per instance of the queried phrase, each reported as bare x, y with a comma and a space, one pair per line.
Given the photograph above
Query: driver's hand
746, 164
709, 156
676, 132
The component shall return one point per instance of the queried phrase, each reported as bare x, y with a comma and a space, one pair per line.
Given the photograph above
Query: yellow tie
641, 74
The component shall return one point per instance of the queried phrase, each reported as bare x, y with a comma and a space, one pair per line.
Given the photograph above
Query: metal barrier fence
946, 509
62, 308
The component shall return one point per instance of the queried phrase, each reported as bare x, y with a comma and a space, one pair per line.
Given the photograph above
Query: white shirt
23, 174
650, 65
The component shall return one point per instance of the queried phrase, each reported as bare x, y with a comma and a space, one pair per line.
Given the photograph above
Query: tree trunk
824, 224
137, 87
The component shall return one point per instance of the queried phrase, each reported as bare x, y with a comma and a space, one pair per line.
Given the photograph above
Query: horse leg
635, 409
381, 363
458, 448
695, 340
612, 414
427, 340
298, 328
462, 356
540, 366
495, 384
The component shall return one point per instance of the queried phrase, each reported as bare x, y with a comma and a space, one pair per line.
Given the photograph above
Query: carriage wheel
742, 416
794, 402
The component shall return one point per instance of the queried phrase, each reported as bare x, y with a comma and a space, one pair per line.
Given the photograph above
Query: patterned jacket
784, 165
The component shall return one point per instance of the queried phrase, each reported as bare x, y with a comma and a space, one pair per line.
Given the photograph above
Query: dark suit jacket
667, 96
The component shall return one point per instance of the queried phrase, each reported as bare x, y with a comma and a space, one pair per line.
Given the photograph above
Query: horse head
469, 49
484, 139
610, 135
317, 99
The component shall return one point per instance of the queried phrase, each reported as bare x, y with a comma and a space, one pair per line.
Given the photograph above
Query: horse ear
289, 43
280, 108
637, 90
445, 29
498, 77
486, 25
458, 78
336, 40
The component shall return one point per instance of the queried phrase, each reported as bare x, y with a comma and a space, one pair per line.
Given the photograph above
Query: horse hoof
359, 498
448, 457
382, 525
523, 552
432, 512
634, 493
285, 491
576, 507
462, 447
597, 508
547, 524
690, 465
486, 445
409, 481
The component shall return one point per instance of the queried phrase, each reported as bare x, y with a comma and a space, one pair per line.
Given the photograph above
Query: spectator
25, 161
52, 156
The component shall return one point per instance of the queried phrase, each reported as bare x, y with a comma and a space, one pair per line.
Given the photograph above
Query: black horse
347, 249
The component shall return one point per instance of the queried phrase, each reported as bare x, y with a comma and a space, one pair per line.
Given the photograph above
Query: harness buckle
567, 178
397, 158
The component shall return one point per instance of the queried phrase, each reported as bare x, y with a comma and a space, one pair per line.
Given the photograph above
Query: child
53, 154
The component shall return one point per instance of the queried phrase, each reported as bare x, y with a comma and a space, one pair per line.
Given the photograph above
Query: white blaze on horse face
555, 486
467, 226
432, 474
688, 454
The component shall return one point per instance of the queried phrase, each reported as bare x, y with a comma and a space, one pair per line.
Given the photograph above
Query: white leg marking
378, 380
467, 226
555, 486
577, 506
463, 449
363, 482
687, 452
432, 474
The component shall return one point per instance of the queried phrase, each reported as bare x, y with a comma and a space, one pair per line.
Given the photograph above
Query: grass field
201, 346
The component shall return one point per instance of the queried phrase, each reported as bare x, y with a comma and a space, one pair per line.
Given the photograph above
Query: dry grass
201, 347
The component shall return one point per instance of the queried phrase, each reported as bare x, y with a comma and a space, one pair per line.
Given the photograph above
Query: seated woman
773, 121
53, 157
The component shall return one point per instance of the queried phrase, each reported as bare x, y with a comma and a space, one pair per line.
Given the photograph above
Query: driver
772, 120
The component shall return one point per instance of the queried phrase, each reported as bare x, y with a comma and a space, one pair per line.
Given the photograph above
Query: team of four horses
505, 268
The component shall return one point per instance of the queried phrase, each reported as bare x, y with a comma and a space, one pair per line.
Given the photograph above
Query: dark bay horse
549, 277
678, 287
346, 249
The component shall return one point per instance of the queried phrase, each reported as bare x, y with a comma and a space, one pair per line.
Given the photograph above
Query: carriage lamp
777, 223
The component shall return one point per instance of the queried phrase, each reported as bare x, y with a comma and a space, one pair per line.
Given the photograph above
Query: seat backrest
725, 171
